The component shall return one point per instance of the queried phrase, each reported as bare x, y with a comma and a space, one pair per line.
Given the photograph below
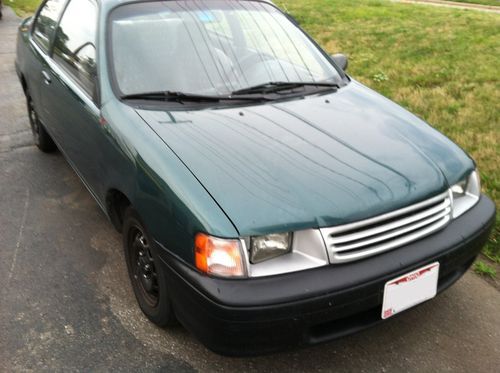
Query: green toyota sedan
266, 198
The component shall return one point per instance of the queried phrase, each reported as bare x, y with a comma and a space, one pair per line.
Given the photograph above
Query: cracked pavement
66, 303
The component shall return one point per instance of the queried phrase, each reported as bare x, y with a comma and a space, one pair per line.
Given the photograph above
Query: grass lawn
442, 64
482, 2
22, 7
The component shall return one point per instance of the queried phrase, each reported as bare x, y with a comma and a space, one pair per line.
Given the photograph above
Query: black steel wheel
40, 136
146, 272
143, 266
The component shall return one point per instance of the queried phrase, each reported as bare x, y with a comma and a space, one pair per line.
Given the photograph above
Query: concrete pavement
66, 302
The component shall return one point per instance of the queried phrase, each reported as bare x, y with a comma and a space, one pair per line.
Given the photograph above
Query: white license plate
410, 289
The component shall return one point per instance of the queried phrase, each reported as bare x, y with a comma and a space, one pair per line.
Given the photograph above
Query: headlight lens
269, 246
465, 194
218, 256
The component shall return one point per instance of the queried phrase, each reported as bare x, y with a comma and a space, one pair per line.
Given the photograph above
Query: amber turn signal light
218, 256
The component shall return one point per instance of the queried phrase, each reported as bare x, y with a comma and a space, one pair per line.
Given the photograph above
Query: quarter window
74, 45
46, 22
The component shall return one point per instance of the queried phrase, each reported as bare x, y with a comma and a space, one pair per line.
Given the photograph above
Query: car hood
314, 162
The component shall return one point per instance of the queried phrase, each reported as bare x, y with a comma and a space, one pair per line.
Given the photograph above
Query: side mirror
340, 60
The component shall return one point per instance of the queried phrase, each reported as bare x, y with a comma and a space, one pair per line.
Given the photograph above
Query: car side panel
21, 45
75, 119
172, 203
31, 64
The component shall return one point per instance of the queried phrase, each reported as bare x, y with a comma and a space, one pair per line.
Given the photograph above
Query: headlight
465, 194
269, 246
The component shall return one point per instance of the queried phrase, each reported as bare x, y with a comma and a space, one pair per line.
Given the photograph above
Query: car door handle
46, 77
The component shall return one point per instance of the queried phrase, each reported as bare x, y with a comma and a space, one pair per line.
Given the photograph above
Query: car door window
46, 22
74, 44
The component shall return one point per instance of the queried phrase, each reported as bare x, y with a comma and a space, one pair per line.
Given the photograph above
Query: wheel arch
116, 205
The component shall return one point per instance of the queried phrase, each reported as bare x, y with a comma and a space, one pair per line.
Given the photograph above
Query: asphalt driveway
66, 302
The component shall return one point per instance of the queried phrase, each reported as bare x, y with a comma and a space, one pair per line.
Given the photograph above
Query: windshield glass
212, 47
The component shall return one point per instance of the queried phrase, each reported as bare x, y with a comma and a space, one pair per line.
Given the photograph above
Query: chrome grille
364, 238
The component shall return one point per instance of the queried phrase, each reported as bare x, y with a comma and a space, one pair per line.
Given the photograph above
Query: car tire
40, 136
146, 274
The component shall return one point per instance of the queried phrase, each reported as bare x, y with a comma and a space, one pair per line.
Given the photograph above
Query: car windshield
212, 47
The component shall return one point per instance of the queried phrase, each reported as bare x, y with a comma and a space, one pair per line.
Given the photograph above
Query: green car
266, 198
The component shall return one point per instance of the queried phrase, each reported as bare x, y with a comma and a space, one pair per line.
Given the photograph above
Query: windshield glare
212, 47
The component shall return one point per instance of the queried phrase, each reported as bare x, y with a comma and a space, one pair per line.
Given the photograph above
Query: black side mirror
340, 60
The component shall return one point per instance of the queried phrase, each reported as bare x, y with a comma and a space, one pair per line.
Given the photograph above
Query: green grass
22, 7
440, 63
484, 270
482, 2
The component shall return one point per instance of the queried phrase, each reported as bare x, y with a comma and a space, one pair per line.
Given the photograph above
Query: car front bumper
262, 315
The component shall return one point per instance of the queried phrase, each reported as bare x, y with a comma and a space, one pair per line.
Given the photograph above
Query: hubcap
143, 266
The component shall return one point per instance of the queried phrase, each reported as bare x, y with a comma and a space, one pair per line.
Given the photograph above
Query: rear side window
74, 45
46, 22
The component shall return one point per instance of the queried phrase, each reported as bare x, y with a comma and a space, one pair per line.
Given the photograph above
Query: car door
43, 31
72, 94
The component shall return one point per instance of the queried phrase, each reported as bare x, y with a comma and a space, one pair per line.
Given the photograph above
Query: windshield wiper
183, 97
272, 87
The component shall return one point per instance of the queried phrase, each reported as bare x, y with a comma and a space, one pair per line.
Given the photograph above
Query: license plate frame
410, 289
